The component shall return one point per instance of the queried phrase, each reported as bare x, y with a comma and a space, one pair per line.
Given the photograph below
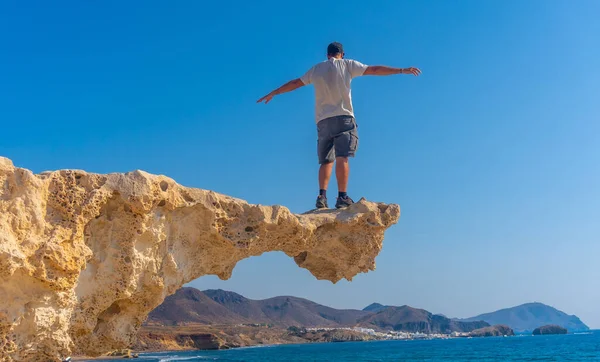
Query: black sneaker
322, 202
343, 202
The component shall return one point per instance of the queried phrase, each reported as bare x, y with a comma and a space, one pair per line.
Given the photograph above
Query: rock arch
85, 257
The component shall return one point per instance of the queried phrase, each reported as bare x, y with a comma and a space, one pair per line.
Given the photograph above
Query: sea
570, 347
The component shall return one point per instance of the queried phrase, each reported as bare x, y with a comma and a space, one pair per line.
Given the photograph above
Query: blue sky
492, 153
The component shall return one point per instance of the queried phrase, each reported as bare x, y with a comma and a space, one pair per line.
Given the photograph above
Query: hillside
527, 317
285, 311
410, 319
189, 305
218, 307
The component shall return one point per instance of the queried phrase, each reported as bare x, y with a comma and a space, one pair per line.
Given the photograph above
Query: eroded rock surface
85, 257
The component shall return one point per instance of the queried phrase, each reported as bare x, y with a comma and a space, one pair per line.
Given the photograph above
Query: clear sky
492, 153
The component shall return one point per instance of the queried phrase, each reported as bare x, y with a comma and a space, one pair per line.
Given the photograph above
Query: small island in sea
549, 329
499, 330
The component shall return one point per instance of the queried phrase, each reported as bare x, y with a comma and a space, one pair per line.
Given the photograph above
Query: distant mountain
238, 304
189, 305
219, 307
375, 307
410, 319
527, 317
285, 311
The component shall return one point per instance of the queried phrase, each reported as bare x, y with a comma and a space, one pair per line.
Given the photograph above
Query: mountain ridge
526, 317
216, 306
409, 319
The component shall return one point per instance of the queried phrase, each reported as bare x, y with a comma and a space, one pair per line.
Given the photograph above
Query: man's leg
346, 143
325, 175
326, 155
342, 171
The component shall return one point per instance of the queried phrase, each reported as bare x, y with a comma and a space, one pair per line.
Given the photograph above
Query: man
336, 126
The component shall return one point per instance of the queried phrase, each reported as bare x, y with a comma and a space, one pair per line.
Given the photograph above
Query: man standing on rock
336, 126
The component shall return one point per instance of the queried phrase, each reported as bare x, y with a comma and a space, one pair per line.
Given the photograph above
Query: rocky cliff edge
85, 257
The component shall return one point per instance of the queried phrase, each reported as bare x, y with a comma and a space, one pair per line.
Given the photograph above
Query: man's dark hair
335, 48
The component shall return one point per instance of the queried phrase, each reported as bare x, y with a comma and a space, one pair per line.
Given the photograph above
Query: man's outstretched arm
383, 70
287, 87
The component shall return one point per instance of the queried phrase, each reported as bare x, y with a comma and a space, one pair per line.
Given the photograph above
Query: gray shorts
338, 137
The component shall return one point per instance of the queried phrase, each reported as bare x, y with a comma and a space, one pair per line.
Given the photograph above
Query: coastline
258, 344
557, 347
85, 358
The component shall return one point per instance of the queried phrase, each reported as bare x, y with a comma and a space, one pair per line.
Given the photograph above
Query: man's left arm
287, 87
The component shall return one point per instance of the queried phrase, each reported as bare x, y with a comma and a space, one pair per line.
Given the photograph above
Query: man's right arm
383, 70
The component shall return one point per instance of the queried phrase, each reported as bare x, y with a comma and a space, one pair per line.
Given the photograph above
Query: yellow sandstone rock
85, 257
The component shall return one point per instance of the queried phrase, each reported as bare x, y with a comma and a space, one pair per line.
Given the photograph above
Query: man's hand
412, 70
266, 98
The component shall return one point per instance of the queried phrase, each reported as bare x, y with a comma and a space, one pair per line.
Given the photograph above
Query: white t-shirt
331, 79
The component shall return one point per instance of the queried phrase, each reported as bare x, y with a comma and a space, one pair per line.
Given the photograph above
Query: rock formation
498, 330
549, 329
85, 257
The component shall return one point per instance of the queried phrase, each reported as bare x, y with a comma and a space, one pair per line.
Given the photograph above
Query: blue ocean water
571, 347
